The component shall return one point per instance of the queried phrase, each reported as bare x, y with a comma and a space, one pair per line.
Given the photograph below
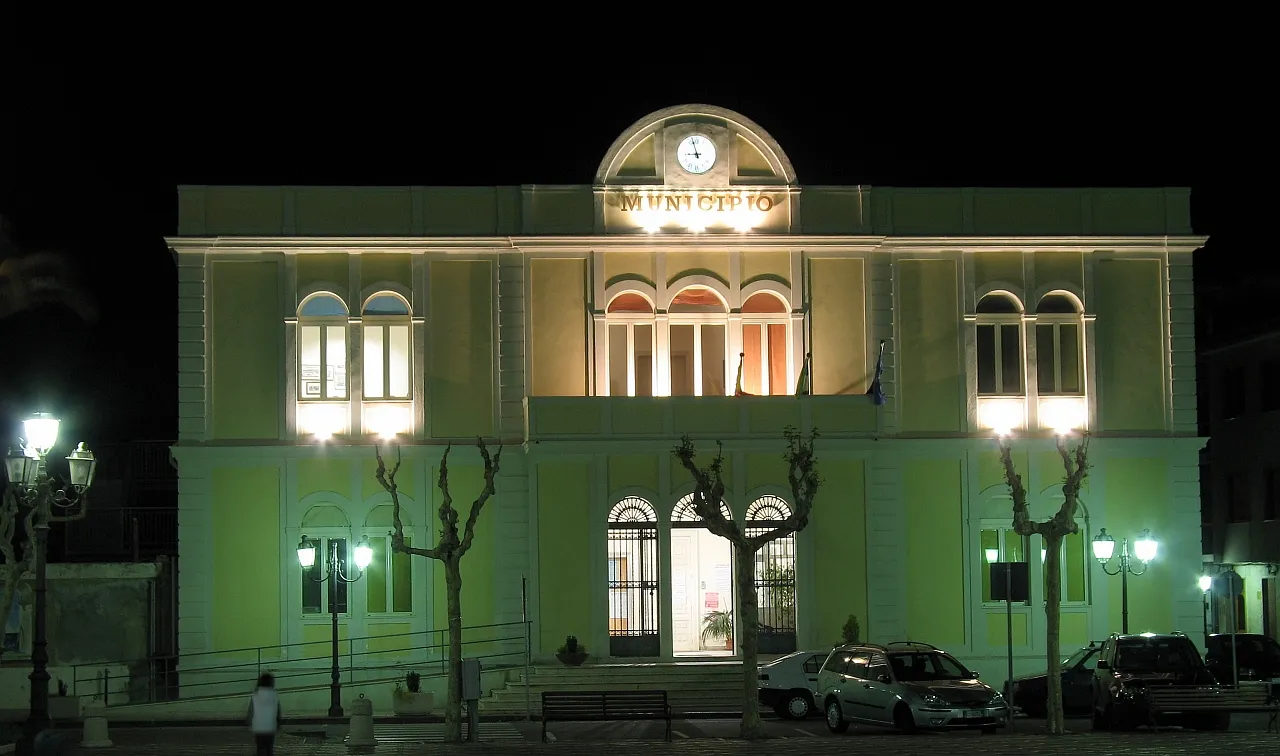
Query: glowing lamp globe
1145, 547
1104, 546
41, 430
993, 555
364, 553
306, 553
1206, 582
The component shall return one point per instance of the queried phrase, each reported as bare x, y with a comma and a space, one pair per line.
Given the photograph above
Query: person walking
265, 715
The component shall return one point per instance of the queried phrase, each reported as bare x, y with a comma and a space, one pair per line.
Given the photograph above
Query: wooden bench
1246, 699
605, 706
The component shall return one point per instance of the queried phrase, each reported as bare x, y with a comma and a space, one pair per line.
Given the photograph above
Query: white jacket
264, 711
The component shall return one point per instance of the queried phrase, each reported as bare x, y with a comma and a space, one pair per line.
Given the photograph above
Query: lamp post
1206, 585
336, 570
1144, 549
42, 495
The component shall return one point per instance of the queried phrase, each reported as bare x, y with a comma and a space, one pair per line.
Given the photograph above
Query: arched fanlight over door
633, 578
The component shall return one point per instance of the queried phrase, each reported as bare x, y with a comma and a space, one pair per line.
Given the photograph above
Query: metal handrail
268, 658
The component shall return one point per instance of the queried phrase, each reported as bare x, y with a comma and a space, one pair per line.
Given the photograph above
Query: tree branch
802, 474
1075, 464
387, 478
491, 467
1022, 523
448, 515
708, 490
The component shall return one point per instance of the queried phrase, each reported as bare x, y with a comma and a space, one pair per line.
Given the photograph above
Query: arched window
765, 345
631, 365
633, 578
699, 329
328, 530
683, 511
1059, 346
388, 346
999, 345
322, 348
775, 576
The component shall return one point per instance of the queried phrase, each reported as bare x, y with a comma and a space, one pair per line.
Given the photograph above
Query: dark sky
97, 161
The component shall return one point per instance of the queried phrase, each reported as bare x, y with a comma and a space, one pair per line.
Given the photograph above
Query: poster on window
339, 381
310, 372
712, 601
311, 388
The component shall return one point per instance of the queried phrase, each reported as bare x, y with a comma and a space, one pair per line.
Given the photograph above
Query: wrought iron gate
633, 579
775, 578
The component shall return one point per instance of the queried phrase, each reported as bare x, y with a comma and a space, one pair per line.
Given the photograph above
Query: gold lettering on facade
718, 202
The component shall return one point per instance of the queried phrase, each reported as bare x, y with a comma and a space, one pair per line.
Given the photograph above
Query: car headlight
932, 700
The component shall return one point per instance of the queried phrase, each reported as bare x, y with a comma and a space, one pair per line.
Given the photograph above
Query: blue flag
876, 390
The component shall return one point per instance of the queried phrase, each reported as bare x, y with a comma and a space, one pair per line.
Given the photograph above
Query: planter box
64, 707
572, 660
406, 704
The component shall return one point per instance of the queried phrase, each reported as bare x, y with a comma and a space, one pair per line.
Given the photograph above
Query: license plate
975, 714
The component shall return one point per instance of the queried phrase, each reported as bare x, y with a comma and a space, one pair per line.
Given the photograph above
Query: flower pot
406, 704
572, 660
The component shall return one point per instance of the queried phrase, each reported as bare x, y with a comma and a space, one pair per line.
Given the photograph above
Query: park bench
605, 706
1188, 699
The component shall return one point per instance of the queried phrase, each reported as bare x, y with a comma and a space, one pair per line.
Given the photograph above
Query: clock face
696, 154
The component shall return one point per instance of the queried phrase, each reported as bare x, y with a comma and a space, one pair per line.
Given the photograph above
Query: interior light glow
321, 420
1063, 414
1002, 414
387, 419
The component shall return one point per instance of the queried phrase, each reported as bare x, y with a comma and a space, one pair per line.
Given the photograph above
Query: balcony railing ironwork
136, 533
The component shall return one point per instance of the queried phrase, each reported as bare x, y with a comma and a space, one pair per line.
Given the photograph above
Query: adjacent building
587, 327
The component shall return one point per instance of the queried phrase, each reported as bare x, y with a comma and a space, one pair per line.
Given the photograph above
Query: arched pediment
644, 153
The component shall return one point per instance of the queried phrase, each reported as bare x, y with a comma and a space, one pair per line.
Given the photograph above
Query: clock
696, 154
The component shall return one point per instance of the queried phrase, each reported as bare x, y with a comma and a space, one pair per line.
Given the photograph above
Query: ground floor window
633, 579
775, 577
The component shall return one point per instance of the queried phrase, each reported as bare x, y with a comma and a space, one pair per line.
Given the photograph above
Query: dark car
1257, 655
1127, 665
1030, 693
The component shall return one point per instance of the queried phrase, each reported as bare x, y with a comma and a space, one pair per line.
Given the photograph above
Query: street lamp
1206, 585
336, 570
41, 494
1144, 549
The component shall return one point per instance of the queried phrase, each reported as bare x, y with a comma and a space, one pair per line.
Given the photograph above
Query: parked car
1257, 655
1030, 693
789, 685
907, 686
1128, 665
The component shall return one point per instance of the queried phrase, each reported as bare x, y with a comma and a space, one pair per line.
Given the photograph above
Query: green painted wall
563, 499
247, 338
639, 470
1130, 345
838, 334
1137, 498
930, 382
839, 530
246, 557
324, 474
935, 554
466, 479
375, 268
460, 364
325, 269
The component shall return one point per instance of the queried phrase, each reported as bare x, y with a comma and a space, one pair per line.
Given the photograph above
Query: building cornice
620, 242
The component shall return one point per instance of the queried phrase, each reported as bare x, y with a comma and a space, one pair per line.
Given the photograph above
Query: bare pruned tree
449, 550
708, 494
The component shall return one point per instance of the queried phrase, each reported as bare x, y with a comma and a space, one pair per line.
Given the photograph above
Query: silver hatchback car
907, 686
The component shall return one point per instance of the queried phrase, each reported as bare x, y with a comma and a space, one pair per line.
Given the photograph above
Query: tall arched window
388, 347
699, 329
1059, 346
775, 576
702, 585
631, 366
999, 345
633, 579
322, 348
765, 345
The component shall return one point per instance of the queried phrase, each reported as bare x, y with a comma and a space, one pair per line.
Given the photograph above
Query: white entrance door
684, 591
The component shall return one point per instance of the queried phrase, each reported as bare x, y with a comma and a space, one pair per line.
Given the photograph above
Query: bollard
95, 726
360, 733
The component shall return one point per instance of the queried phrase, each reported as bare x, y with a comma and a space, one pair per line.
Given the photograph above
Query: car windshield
1155, 654
1071, 661
927, 665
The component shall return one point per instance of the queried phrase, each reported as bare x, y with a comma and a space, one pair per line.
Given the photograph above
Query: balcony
563, 418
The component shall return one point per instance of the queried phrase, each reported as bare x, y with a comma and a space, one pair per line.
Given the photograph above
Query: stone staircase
692, 687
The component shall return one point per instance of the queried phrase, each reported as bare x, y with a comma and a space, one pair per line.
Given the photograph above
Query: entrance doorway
702, 617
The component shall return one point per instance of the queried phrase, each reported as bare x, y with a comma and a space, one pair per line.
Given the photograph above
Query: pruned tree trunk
749, 627
453, 712
15, 568
1075, 462
708, 495
449, 550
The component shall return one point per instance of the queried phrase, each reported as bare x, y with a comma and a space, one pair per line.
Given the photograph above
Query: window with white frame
388, 580
388, 347
322, 348
766, 331
1075, 567
999, 345
698, 342
630, 365
1059, 346
998, 544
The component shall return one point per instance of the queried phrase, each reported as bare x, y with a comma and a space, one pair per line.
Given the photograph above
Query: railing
211, 674
134, 532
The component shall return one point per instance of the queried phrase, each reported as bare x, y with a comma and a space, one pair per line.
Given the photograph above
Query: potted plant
852, 631
718, 625
63, 706
571, 653
410, 699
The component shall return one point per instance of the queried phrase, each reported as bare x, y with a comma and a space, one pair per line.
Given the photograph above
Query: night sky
96, 164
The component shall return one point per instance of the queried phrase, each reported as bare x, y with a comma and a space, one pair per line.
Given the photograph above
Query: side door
853, 693
810, 671
1077, 682
877, 690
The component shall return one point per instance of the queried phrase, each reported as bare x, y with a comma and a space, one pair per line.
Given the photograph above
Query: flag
876, 390
737, 387
802, 383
